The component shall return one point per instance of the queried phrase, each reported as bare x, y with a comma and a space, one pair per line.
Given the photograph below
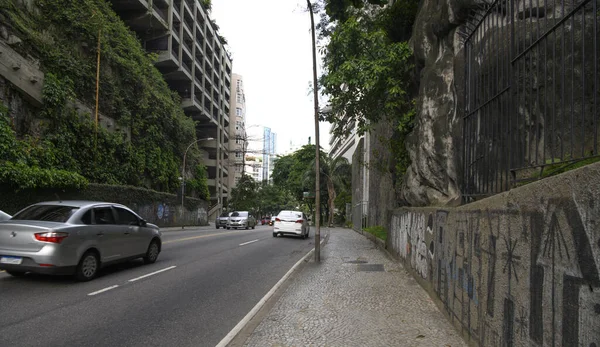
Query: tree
273, 198
244, 195
336, 173
289, 171
369, 69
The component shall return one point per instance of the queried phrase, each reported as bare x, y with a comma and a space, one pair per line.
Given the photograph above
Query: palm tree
336, 173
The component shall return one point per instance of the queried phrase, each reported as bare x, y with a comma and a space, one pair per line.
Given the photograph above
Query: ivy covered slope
63, 35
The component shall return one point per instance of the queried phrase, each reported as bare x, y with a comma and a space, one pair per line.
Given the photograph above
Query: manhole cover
370, 267
357, 262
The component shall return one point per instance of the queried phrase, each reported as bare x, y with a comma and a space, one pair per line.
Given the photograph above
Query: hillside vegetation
63, 35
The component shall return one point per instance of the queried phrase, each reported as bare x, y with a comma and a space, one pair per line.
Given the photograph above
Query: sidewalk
371, 302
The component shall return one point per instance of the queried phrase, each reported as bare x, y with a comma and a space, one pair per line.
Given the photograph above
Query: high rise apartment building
269, 151
238, 145
194, 62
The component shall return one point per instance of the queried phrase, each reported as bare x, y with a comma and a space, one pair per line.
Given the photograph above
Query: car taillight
277, 220
51, 237
299, 221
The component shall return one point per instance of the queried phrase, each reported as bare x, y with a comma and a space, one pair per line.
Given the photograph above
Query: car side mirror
143, 223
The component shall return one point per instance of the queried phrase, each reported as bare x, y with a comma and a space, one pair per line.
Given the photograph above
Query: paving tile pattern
334, 304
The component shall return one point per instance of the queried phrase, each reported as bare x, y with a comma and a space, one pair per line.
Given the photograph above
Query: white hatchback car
291, 223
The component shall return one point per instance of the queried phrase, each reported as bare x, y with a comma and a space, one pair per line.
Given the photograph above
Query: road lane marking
103, 290
249, 242
201, 236
152, 273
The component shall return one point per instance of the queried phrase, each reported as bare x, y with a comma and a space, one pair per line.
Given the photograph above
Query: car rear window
239, 214
290, 214
50, 213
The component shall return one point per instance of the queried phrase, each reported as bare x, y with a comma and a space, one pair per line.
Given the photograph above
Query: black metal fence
531, 92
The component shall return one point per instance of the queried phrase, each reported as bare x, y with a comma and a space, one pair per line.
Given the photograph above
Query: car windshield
239, 214
290, 214
50, 213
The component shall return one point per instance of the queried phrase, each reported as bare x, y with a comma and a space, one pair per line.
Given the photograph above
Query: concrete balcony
210, 162
135, 14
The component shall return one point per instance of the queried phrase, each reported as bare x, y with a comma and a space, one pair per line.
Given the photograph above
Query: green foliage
272, 198
29, 163
289, 171
369, 70
338, 9
367, 77
378, 231
244, 195
199, 183
64, 35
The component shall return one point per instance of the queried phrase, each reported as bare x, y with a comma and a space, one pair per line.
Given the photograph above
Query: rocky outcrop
434, 145
532, 96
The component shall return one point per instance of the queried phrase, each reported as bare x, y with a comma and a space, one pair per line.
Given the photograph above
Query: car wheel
217, 227
228, 228
88, 267
152, 252
15, 273
253, 226
247, 227
274, 234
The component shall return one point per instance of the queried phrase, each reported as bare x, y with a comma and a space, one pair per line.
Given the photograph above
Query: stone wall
517, 269
162, 209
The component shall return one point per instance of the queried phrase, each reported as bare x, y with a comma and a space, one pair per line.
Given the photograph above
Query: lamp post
183, 170
317, 160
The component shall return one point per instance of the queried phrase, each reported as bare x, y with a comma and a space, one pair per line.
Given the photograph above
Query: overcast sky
270, 43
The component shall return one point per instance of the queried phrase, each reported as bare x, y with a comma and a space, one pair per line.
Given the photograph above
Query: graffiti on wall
410, 241
510, 277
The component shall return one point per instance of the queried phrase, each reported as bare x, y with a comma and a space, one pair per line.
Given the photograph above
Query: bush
378, 231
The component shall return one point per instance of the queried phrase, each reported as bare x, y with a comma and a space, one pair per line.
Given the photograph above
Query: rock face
434, 145
532, 96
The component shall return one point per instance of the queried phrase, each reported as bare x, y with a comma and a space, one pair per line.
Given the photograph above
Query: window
238, 111
240, 99
126, 217
50, 213
104, 215
238, 154
239, 214
87, 218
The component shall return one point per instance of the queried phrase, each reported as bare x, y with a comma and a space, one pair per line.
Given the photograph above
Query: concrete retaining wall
518, 269
162, 209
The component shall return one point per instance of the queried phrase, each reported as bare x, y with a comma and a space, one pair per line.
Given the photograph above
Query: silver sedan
75, 237
4, 216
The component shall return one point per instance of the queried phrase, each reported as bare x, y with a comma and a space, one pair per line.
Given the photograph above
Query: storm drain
370, 267
356, 262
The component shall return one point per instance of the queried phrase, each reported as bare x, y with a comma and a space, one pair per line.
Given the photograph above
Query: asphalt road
204, 282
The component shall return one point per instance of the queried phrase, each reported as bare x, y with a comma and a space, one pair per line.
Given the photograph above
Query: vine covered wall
63, 36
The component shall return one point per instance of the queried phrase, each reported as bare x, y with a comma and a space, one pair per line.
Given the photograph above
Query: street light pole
317, 159
183, 171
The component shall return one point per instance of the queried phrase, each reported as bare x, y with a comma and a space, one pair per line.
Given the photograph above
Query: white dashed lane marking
249, 242
103, 290
152, 273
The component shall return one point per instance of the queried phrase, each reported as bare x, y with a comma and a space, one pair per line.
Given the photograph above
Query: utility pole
97, 92
317, 159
